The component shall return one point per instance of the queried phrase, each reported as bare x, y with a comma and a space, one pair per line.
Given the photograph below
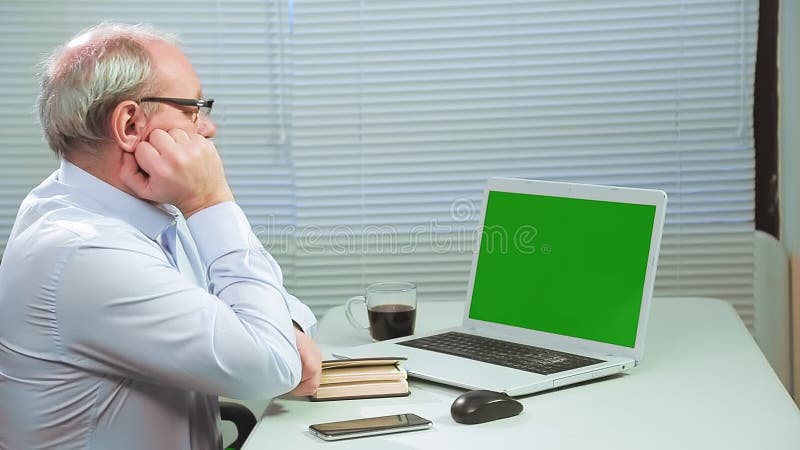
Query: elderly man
132, 290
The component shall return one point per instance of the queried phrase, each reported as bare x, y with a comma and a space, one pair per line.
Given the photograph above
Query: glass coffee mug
391, 308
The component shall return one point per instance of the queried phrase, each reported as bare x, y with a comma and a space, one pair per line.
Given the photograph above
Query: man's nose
206, 127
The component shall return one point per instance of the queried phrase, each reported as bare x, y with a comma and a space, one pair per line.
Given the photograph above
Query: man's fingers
160, 139
311, 360
131, 176
148, 157
312, 373
304, 388
179, 136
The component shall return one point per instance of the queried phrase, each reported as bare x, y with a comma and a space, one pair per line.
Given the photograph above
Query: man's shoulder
58, 221
47, 237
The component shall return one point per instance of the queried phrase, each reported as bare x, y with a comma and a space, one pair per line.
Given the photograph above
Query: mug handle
350, 317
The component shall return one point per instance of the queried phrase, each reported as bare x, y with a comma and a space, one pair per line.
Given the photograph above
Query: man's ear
127, 125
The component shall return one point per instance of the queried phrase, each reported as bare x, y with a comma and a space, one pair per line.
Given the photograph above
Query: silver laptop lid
566, 265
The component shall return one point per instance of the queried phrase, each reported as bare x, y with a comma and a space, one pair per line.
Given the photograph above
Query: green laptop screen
563, 265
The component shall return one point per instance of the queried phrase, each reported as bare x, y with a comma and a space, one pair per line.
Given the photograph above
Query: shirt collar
148, 218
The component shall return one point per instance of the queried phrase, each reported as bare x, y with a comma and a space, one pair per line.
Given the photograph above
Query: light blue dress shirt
121, 322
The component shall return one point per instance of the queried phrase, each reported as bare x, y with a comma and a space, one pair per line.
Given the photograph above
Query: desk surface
703, 383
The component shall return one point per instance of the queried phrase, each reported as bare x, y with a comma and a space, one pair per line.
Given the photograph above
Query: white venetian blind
238, 50
358, 134
402, 110
24, 158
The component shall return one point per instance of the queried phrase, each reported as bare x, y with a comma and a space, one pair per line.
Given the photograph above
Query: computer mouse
483, 406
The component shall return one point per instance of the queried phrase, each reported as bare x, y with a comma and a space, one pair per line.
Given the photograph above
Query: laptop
559, 291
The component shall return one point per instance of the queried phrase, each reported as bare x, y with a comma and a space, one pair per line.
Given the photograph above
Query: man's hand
174, 167
311, 359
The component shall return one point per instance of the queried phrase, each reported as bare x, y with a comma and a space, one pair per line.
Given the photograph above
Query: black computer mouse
483, 406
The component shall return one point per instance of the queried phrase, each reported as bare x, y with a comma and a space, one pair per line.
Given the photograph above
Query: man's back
61, 397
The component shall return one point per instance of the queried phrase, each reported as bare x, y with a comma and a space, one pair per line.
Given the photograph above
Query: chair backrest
241, 416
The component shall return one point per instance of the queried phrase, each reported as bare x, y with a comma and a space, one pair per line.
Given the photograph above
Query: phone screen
370, 426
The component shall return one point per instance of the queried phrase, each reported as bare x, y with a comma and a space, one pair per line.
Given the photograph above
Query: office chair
242, 418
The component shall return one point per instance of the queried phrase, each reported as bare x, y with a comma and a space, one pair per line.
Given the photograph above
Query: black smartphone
369, 426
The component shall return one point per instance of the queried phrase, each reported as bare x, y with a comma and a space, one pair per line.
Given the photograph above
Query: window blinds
401, 110
239, 51
358, 135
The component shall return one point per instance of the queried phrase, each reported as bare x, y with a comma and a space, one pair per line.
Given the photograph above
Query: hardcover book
362, 378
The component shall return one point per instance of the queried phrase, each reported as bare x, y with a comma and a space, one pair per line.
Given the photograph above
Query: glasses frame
203, 104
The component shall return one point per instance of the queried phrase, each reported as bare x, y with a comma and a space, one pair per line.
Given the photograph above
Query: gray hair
85, 79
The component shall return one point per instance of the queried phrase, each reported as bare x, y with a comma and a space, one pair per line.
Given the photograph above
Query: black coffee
391, 321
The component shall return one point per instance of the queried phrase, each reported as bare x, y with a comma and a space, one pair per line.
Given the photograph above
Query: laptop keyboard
502, 353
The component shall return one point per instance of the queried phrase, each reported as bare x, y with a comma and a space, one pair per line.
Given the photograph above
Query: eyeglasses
203, 104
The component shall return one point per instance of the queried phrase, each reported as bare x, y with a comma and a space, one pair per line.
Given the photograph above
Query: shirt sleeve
220, 228
123, 310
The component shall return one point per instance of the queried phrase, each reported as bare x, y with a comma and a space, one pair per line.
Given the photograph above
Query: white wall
789, 123
789, 154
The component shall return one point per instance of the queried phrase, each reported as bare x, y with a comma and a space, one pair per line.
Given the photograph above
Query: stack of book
362, 378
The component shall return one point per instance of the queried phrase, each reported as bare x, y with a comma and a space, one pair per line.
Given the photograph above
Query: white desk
703, 384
